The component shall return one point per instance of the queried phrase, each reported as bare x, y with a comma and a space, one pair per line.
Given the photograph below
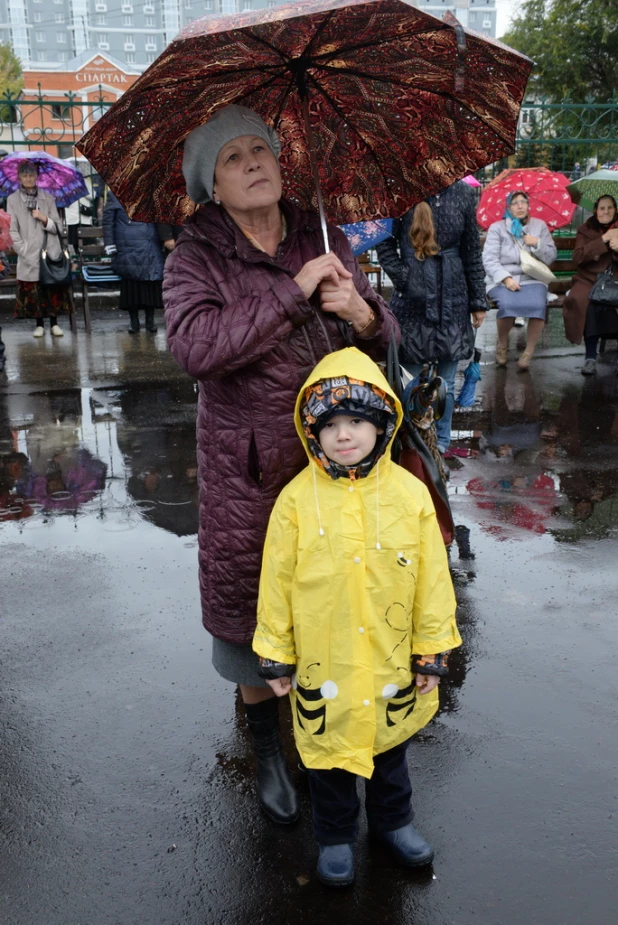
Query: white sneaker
38, 331
519, 322
57, 331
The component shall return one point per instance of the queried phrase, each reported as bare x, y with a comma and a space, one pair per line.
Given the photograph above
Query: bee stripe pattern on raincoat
355, 580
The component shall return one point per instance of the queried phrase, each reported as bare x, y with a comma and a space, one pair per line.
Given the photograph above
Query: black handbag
54, 272
604, 291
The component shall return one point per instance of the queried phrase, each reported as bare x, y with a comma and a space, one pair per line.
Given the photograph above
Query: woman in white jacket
35, 219
517, 294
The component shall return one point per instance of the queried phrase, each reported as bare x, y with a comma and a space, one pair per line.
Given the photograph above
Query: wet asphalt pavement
126, 790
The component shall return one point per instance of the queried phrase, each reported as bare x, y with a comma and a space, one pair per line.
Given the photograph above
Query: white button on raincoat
353, 583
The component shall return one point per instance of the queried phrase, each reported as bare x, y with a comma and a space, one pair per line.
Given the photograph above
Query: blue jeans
447, 369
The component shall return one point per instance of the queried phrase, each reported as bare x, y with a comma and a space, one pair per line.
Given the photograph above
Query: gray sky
505, 9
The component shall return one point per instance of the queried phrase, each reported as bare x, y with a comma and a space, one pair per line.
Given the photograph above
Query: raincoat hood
346, 378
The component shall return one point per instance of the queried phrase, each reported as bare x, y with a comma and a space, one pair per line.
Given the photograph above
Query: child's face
346, 439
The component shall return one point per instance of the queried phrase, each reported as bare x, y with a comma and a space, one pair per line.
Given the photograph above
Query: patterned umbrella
381, 103
547, 191
365, 235
586, 191
472, 181
60, 178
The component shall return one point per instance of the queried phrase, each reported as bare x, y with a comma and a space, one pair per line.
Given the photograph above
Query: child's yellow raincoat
355, 580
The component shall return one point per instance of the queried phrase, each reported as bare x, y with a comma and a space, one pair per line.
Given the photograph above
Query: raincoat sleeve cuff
294, 302
271, 671
431, 664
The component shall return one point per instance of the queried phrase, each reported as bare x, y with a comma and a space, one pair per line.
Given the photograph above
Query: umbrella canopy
401, 105
472, 181
546, 190
364, 235
586, 191
59, 178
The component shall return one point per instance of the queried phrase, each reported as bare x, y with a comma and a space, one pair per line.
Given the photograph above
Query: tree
574, 44
11, 77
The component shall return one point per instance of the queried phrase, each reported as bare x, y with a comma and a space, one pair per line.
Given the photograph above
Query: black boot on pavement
407, 845
150, 325
276, 792
336, 865
2, 352
134, 321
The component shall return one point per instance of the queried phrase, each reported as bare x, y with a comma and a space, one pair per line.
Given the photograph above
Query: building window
246, 5
472, 17
130, 57
40, 36
127, 20
100, 7
148, 8
187, 4
103, 43
59, 18
209, 6
272, 4
149, 21
127, 7
38, 17
101, 20
63, 56
61, 38
61, 111
150, 58
41, 56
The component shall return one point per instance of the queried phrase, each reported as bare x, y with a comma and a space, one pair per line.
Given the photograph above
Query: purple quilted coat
238, 323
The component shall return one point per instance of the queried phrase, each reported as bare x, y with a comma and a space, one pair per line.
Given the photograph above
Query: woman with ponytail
434, 262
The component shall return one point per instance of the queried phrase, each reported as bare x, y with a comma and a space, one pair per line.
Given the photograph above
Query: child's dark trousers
387, 799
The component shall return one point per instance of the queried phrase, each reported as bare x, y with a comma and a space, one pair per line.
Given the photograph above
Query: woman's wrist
365, 320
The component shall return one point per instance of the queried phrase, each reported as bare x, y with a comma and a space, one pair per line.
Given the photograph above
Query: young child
356, 614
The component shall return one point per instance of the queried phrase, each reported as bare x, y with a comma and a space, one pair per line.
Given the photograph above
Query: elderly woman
596, 249
252, 303
516, 293
34, 219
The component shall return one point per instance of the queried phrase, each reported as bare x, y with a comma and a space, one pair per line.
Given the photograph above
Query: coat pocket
253, 463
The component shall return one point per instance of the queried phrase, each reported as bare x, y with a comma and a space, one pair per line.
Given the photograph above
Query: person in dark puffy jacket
252, 303
434, 261
137, 258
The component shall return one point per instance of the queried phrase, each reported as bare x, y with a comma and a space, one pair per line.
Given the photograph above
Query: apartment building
46, 34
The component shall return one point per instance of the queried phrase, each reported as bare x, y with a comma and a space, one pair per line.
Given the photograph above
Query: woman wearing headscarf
434, 261
517, 294
252, 304
34, 220
596, 249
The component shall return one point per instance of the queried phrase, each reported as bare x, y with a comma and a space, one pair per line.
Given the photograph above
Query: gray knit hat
202, 146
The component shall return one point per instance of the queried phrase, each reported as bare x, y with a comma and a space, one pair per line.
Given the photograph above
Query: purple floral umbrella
59, 178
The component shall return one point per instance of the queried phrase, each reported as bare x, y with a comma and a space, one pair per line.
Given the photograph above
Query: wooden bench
94, 268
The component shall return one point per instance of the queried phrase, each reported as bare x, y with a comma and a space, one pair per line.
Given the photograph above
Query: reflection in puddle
121, 457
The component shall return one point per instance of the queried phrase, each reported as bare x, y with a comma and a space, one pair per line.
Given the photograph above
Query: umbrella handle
314, 170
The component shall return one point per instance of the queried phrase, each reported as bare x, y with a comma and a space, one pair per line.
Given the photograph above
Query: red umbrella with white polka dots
546, 190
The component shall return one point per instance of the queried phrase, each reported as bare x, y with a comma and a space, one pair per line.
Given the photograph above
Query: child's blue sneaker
336, 865
407, 845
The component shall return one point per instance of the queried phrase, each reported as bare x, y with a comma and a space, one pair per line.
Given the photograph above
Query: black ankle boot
276, 791
134, 319
150, 325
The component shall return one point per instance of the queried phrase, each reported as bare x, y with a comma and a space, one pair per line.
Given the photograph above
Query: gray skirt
528, 302
238, 664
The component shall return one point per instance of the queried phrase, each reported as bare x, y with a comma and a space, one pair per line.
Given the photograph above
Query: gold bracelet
372, 318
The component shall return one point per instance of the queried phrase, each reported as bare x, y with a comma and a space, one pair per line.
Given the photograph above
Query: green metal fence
555, 135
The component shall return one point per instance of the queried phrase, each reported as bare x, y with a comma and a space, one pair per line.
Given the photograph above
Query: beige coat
28, 234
